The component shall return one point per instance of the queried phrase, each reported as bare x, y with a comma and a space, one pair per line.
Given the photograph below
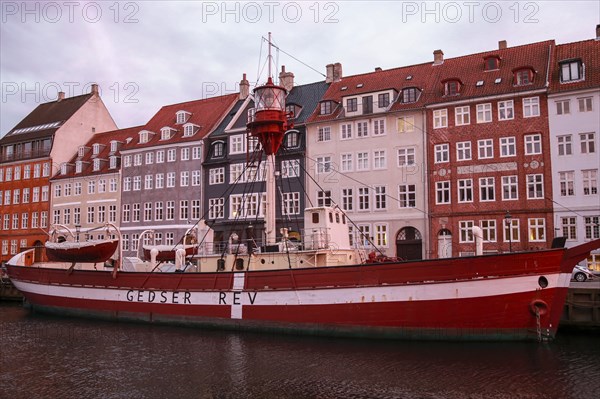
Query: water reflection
48, 357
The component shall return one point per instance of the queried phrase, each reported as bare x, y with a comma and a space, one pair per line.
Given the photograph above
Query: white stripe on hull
316, 296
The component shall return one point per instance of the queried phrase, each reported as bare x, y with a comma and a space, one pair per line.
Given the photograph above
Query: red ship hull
509, 296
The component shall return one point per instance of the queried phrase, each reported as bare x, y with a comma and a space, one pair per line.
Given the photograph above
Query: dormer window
293, 111
492, 63
96, 164
352, 105
189, 129
523, 76
113, 162
63, 169
383, 100
114, 145
144, 136
452, 87
81, 151
78, 166
410, 95
166, 132
182, 117
95, 149
571, 70
326, 107
218, 149
292, 139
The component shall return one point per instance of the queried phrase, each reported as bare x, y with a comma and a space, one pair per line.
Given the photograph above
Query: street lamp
508, 221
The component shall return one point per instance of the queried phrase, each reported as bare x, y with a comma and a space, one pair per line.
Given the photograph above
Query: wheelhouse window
571, 70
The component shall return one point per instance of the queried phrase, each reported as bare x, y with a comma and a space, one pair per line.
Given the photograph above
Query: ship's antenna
270, 57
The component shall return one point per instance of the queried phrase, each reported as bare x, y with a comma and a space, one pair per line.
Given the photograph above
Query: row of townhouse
416, 156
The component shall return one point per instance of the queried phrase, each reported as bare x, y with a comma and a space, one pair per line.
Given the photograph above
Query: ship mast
268, 124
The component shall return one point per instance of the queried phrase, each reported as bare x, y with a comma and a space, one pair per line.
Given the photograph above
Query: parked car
581, 273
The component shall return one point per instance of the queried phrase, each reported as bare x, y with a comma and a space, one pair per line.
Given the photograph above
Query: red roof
206, 114
588, 52
103, 139
430, 78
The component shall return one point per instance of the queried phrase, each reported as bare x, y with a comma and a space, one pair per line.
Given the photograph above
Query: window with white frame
362, 160
170, 210
148, 180
484, 113
236, 173
290, 168
565, 144
346, 162
362, 129
589, 182
488, 228
290, 203
442, 153
91, 187
158, 211
487, 189
442, 192
462, 115
137, 159
91, 213
324, 134
112, 185
463, 151
364, 197
406, 156
171, 155
407, 196
380, 198
324, 164
96, 164
537, 229
160, 156
506, 110
17, 173
196, 210
585, 104
127, 184
149, 158
36, 170
347, 199
78, 166
15, 221
563, 107
25, 195
406, 124
440, 118
465, 190
197, 151
508, 147
34, 220
592, 227
346, 131
381, 234
379, 127
181, 117
485, 148
137, 183
533, 144
16, 196
588, 143
185, 154
196, 177
147, 211
531, 107
26, 172
144, 137
216, 208
189, 130
184, 179
567, 183
510, 188
76, 189
571, 70
569, 227
112, 162
136, 212
465, 228
36, 194
535, 186
127, 161
44, 193
57, 190
102, 185
379, 159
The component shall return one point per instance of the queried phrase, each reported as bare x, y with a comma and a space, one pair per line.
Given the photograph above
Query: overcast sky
148, 54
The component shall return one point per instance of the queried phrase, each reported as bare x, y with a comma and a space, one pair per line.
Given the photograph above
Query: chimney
378, 69
438, 57
502, 45
337, 72
61, 96
598, 32
286, 79
244, 88
329, 77
94, 89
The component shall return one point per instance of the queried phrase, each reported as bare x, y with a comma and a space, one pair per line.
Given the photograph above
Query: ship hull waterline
503, 297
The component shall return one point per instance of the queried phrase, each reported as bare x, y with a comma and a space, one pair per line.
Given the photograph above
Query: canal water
52, 357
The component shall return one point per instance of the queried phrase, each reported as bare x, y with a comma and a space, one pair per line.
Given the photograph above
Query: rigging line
569, 209
302, 62
258, 70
